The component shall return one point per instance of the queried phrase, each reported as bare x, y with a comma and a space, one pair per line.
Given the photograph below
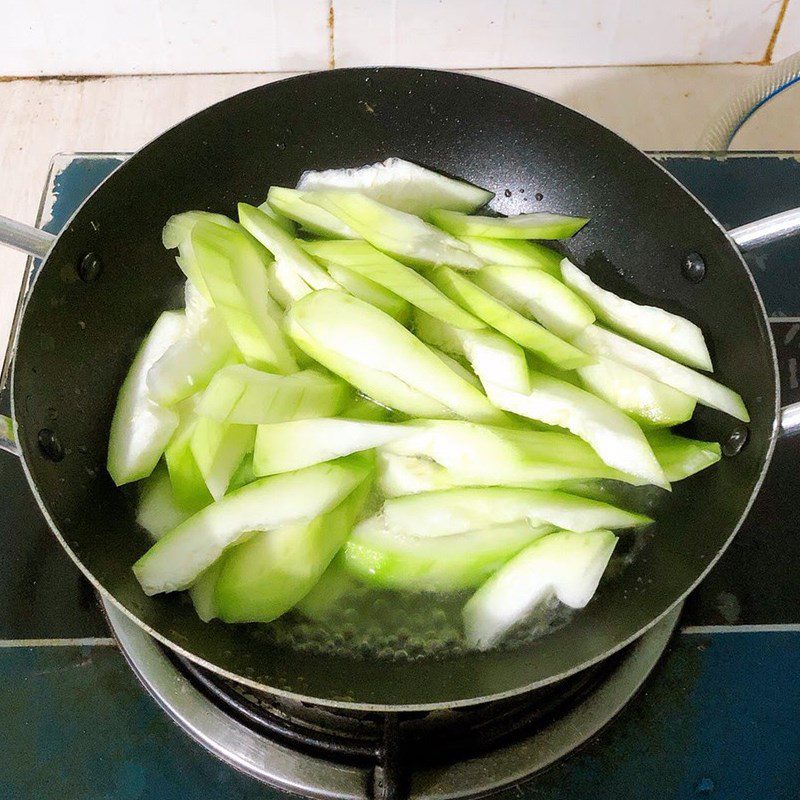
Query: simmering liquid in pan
372, 623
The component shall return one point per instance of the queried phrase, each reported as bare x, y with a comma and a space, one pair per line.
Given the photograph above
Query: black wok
86, 315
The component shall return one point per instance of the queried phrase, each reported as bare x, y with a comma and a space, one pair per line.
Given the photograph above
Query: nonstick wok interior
77, 340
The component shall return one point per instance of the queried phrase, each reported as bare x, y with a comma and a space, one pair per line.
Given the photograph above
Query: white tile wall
514, 33
114, 37
118, 37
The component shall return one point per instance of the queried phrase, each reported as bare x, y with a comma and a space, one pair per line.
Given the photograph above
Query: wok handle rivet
50, 445
89, 267
693, 267
736, 440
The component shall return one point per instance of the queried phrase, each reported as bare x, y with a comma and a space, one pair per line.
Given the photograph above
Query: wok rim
394, 707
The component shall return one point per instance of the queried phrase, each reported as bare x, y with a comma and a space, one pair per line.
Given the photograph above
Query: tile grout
773, 39
331, 37
332, 65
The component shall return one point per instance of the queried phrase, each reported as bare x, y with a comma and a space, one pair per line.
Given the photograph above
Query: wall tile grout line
331, 36
81, 78
775, 33
89, 641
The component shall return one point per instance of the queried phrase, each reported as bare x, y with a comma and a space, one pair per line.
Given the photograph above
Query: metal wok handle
764, 231
30, 240
36, 243
755, 234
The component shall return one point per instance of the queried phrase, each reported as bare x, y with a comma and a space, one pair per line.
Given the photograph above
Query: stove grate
393, 745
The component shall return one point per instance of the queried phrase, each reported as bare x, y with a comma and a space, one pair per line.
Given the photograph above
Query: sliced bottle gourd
367, 261
379, 557
140, 427
647, 401
179, 227
157, 510
471, 448
402, 185
179, 557
456, 366
218, 449
363, 408
265, 577
616, 438
494, 357
330, 593
380, 385
381, 358
564, 564
198, 307
681, 457
485, 455
401, 475
532, 292
452, 511
285, 285
515, 253
285, 446
405, 475
188, 483
178, 233
312, 218
284, 247
666, 333
370, 292
278, 218
397, 233
522, 226
203, 592
189, 364
465, 500
243, 475
244, 395
601, 342
202, 457
498, 315
234, 273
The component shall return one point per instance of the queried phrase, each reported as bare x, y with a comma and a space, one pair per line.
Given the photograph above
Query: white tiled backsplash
549, 33
106, 37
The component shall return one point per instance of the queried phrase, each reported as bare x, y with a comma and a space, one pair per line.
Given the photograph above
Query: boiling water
401, 625
395, 625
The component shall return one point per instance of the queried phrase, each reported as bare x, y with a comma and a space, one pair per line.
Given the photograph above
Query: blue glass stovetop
719, 717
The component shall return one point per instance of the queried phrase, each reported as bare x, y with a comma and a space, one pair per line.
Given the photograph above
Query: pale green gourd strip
610, 345
669, 334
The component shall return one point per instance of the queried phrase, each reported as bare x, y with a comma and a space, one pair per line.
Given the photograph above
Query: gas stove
704, 705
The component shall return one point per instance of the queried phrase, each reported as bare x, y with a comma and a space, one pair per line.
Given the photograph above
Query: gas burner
325, 752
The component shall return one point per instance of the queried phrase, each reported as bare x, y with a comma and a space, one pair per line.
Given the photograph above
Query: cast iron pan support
389, 778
